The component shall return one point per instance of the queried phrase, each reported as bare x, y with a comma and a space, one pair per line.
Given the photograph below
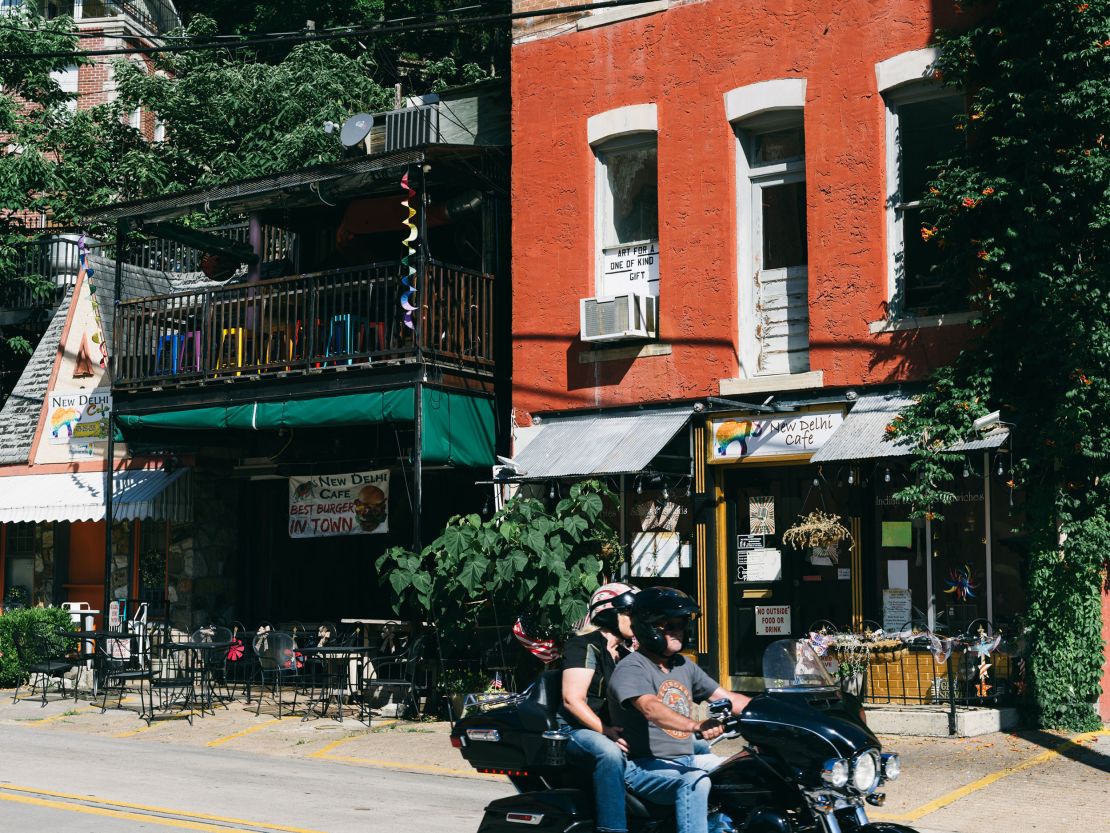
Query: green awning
458, 428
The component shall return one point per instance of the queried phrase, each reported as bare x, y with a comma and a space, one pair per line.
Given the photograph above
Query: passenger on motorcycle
651, 697
588, 662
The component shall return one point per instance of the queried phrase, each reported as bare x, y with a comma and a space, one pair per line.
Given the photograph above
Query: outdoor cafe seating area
358, 669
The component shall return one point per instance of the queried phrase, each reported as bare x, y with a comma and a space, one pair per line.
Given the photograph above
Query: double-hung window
920, 134
628, 215
19, 571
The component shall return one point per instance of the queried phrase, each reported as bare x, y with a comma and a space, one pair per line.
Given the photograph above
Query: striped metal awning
863, 434
79, 496
595, 444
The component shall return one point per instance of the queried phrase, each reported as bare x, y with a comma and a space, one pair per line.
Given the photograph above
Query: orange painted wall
86, 564
684, 60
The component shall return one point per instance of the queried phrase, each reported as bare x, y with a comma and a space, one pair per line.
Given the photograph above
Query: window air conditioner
619, 317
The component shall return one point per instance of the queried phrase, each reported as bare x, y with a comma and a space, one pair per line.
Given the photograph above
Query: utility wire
329, 35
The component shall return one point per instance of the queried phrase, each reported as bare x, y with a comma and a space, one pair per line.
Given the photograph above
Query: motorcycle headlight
865, 771
834, 772
892, 766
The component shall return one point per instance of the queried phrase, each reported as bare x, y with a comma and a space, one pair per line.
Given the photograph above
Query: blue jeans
682, 781
589, 747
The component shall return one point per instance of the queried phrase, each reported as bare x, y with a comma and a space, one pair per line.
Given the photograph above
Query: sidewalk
1012, 782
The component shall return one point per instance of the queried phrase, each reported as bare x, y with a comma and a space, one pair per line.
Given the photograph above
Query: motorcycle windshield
790, 664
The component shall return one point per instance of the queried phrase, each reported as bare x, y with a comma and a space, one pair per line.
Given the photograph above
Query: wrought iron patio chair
45, 654
122, 661
401, 678
280, 667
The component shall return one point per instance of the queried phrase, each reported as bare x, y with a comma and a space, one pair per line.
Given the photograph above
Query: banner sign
339, 504
745, 438
77, 419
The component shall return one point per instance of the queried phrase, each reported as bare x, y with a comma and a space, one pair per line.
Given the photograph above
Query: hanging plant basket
817, 529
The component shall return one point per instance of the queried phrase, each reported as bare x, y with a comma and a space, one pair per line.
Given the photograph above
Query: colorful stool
169, 348
230, 336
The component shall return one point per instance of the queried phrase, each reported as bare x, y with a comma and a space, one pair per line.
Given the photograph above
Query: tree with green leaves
525, 559
1024, 211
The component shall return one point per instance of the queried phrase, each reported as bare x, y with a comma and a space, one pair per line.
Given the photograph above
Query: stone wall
202, 554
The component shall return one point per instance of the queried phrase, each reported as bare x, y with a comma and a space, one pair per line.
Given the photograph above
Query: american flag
542, 649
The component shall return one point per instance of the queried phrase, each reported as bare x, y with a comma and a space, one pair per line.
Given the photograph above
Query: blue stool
170, 346
343, 333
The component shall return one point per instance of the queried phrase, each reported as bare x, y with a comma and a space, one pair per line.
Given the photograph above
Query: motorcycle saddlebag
557, 811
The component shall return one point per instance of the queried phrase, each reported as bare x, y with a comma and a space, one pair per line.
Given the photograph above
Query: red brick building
720, 290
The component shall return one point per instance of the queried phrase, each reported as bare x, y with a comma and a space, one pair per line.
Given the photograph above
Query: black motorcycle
810, 766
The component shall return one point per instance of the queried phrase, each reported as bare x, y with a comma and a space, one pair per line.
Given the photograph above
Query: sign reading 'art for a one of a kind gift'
339, 504
745, 438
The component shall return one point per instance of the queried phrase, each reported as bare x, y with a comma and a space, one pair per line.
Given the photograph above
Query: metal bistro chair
124, 660
42, 653
406, 673
279, 666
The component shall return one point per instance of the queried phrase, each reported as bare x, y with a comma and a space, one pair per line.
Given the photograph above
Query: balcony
316, 323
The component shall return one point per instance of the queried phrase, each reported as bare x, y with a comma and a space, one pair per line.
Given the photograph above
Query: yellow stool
236, 335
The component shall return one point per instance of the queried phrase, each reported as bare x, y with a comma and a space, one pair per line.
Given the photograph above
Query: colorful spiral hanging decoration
409, 279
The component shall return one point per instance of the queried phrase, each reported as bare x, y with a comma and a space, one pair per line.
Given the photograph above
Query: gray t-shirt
679, 688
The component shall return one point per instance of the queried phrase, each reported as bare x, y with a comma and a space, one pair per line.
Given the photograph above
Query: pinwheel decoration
235, 652
962, 582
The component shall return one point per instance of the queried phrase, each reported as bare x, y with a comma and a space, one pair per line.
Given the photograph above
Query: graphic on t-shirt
676, 697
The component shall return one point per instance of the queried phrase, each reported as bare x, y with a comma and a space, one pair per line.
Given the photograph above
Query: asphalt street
62, 783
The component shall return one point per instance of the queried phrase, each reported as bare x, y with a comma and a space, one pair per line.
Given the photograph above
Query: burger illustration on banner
371, 508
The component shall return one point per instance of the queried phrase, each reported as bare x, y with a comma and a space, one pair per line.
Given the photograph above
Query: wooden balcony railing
340, 318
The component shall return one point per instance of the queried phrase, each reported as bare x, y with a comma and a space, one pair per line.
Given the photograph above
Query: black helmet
655, 605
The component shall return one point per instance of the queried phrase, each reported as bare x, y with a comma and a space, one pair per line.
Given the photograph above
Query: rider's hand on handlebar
614, 734
711, 728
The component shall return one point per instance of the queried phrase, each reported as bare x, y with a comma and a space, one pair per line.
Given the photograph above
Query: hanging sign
745, 438
772, 621
631, 268
339, 504
77, 419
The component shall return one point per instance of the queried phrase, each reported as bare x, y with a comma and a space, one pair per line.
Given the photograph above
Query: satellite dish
355, 129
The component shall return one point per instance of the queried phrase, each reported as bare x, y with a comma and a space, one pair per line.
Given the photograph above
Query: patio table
194, 651
333, 655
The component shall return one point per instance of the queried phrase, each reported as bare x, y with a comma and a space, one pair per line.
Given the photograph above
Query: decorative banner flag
542, 649
409, 278
83, 268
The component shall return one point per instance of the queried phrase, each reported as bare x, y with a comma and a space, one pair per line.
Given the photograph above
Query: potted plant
818, 529
456, 684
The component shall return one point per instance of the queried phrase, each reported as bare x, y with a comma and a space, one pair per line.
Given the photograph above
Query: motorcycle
810, 765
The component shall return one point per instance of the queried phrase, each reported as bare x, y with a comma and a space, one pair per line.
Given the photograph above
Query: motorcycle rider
651, 697
588, 662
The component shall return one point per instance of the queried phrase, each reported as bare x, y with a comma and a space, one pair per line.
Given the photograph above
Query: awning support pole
109, 481
417, 464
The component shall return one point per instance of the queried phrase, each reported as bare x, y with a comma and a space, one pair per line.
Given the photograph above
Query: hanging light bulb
816, 483
666, 491
967, 472
1000, 470
851, 477
639, 487
886, 476
487, 506
551, 492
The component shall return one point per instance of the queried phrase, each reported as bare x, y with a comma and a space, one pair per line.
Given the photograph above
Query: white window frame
623, 127
904, 79
743, 105
69, 79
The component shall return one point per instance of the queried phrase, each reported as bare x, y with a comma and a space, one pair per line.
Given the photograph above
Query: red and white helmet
607, 601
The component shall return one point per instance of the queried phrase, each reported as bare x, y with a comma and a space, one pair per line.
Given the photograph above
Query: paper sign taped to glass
759, 565
761, 515
656, 555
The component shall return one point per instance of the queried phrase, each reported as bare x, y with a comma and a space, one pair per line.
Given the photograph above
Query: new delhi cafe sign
787, 436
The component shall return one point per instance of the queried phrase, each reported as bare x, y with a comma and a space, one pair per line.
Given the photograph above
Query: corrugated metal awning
79, 496
863, 435
579, 446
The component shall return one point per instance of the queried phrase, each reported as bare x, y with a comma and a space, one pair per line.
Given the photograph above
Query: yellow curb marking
70, 713
987, 780
248, 731
121, 810
324, 754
